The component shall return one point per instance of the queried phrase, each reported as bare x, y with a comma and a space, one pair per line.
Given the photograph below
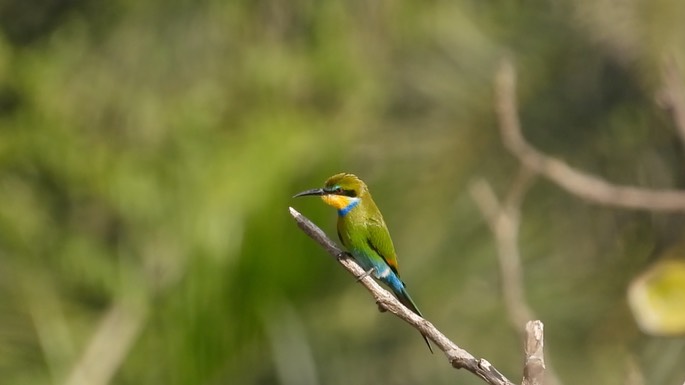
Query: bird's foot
366, 274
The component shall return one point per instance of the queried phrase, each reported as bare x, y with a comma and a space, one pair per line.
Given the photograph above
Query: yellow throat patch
337, 201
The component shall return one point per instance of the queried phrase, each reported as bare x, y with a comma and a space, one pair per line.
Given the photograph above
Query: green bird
363, 232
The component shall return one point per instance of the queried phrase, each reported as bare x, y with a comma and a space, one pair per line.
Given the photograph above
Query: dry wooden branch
534, 367
576, 182
458, 357
504, 221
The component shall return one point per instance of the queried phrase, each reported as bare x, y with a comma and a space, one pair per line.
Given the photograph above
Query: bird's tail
405, 299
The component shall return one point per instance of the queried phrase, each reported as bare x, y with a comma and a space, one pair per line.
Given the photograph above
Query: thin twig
458, 357
576, 182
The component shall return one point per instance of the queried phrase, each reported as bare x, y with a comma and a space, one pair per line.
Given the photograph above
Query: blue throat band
342, 212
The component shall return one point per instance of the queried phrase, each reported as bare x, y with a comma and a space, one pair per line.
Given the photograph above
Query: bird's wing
379, 240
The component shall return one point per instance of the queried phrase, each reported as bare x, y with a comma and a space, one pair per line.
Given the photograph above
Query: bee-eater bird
363, 232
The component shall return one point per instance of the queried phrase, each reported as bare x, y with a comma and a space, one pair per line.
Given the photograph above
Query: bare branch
534, 367
458, 357
504, 222
576, 182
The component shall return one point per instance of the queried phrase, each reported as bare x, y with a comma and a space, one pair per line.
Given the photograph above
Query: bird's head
342, 191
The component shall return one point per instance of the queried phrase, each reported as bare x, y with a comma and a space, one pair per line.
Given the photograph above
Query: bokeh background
149, 152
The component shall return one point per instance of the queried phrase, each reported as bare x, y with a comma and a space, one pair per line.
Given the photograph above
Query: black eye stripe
341, 191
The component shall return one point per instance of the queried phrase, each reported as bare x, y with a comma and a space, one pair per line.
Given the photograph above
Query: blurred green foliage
149, 150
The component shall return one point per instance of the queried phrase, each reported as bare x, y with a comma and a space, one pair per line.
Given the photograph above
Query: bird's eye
338, 190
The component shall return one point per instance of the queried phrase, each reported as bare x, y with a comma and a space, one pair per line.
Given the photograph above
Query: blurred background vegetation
149, 150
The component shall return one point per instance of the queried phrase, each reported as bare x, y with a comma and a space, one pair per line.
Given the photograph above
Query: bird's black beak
314, 191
